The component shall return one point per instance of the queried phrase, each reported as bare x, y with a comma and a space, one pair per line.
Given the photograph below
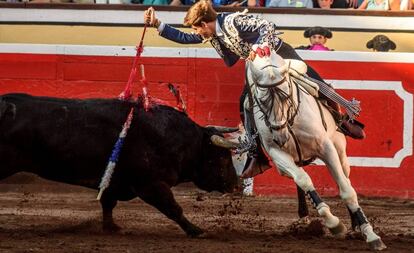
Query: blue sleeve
178, 36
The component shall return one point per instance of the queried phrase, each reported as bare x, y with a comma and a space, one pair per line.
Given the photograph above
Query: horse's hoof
377, 245
339, 230
304, 221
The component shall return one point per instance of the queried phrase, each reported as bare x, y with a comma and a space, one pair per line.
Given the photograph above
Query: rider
234, 35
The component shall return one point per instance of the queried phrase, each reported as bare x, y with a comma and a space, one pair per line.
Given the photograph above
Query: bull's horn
222, 142
224, 129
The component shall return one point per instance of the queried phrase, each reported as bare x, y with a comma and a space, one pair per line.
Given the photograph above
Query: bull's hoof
339, 230
194, 232
377, 245
111, 227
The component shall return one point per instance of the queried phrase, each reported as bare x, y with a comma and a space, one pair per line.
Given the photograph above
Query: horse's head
268, 69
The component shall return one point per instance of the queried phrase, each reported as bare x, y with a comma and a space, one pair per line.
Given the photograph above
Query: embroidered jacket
237, 34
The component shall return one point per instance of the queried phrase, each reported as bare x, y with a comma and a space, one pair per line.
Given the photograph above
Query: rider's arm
178, 36
170, 32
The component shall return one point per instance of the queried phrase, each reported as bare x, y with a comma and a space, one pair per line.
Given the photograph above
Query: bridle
273, 92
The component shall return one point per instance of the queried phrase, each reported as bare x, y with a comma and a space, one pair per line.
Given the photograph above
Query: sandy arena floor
42, 216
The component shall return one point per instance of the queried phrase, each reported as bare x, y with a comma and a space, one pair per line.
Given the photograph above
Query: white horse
294, 127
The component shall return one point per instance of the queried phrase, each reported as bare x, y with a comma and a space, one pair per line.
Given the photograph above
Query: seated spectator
290, 3
324, 4
406, 5
376, 5
182, 2
155, 2
164, 2
381, 43
318, 37
228, 3
61, 1
335, 4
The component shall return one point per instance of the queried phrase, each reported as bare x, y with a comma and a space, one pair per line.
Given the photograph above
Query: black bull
70, 141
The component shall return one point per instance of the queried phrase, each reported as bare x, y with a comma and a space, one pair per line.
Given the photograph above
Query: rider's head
202, 18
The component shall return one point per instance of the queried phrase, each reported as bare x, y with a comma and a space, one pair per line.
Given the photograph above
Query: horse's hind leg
340, 145
332, 159
287, 167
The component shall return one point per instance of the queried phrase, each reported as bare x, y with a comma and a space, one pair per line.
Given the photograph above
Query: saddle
351, 128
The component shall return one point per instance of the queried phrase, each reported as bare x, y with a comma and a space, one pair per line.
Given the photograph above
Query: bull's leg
160, 196
287, 167
108, 202
9, 161
349, 195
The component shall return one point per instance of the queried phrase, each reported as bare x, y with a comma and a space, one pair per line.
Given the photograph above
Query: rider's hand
149, 17
252, 55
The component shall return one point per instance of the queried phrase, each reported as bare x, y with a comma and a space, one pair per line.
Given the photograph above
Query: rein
273, 91
291, 112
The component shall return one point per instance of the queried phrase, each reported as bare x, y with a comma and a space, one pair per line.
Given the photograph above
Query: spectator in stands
335, 4
376, 5
324, 4
182, 2
406, 5
155, 2
381, 43
290, 3
318, 37
227, 3
62, 1
230, 3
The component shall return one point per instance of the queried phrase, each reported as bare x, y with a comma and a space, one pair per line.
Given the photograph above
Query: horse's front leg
348, 194
287, 167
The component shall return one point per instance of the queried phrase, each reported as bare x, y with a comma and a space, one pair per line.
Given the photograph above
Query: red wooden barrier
382, 165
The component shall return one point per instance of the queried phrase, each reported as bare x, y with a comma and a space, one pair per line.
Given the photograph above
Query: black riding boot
257, 161
353, 129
